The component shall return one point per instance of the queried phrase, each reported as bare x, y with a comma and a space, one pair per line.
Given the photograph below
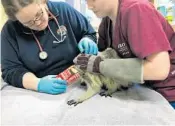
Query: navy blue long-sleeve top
20, 52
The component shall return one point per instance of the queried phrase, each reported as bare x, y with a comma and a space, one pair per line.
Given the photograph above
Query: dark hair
11, 7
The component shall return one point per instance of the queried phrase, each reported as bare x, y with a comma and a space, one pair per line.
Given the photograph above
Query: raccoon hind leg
93, 87
111, 86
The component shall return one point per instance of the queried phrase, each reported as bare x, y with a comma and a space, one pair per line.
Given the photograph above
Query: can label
71, 75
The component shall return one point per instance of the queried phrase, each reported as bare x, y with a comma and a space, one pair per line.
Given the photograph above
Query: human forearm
30, 81
130, 69
133, 70
13, 76
156, 68
48, 84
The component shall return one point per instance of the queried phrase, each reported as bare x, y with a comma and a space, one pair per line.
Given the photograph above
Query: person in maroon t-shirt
143, 39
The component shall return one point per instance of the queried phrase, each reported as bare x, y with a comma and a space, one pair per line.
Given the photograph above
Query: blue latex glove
88, 46
52, 85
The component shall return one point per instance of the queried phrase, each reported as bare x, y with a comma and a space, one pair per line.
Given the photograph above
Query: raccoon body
94, 82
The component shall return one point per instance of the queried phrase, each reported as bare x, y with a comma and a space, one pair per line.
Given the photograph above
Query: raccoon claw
77, 103
105, 94
73, 102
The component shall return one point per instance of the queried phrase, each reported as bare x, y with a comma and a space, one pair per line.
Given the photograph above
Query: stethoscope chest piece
43, 55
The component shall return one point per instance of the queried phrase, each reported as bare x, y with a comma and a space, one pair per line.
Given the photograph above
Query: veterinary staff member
143, 39
42, 38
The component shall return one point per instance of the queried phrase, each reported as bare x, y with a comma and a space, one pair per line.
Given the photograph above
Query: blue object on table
172, 104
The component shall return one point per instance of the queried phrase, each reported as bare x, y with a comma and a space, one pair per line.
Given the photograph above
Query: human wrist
86, 37
30, 81
37, 83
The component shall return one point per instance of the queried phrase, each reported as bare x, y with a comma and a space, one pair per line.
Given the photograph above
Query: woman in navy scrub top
40, 40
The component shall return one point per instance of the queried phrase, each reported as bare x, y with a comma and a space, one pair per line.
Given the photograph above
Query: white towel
138, 105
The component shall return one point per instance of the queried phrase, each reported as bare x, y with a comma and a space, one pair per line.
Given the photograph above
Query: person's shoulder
61, 8
8, 27
59, 4
129, 5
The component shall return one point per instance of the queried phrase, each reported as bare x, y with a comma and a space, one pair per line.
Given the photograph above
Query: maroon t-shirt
141, 31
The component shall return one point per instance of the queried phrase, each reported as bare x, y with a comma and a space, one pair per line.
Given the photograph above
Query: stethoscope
43, 54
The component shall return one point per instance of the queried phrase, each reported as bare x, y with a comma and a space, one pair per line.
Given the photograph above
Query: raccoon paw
73, 102
105, 93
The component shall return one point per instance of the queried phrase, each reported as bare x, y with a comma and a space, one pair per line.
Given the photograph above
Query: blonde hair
11, 7
3, 16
